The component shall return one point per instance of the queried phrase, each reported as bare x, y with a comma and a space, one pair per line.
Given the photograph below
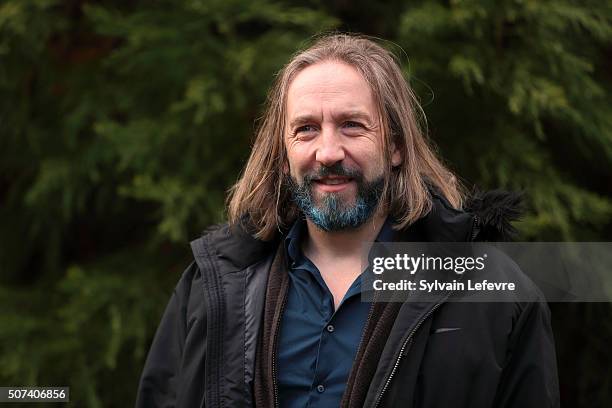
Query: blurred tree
522, 101
122, 124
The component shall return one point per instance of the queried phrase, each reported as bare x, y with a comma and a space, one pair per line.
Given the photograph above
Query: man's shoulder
230, 247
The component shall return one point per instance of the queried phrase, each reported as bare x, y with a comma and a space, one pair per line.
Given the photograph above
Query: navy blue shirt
317, 345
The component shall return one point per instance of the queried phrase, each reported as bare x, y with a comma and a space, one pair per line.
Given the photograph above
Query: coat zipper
215, 294
274, 347
403, 350
475, 228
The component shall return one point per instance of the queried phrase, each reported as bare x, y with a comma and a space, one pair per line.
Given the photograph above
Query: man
270, 314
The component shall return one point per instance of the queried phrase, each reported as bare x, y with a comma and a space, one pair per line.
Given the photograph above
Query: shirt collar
294, 239
295, 235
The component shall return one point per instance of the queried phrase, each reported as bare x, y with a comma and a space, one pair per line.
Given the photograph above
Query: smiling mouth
332, 181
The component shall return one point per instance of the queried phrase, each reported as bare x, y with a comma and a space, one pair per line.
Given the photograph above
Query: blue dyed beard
332, 214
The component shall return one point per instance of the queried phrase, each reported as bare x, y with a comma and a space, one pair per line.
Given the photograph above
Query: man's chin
341, 203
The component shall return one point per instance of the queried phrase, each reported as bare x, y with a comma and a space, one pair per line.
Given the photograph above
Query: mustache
336, 169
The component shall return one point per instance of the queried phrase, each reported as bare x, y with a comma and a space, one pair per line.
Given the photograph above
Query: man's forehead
329, 84
328, 76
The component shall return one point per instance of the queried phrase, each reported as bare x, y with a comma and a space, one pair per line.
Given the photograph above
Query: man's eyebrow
353, 114
340, 116
302, 119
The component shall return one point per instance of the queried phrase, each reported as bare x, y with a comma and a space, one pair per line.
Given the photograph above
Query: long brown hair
260, 194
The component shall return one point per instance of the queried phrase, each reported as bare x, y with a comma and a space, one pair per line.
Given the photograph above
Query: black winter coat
203, 354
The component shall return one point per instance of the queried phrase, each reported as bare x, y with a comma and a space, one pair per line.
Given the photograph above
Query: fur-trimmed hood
486, 216
494, 211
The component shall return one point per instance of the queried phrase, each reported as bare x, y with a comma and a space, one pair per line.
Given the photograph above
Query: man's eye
351, 124
305, 128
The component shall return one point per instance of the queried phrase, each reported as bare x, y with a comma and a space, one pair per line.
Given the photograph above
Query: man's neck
340, 244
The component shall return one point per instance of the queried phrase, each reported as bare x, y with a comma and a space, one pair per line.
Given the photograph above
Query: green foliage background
122, 124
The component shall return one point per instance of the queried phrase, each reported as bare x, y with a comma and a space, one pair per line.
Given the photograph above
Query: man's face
334, 146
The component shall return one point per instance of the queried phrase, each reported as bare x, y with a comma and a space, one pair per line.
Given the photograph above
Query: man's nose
330, 149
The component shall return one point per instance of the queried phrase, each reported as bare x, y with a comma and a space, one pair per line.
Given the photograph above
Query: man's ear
396, 156
285, 168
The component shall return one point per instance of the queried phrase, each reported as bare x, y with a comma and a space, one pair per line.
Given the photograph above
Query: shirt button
320, 388
330, 328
